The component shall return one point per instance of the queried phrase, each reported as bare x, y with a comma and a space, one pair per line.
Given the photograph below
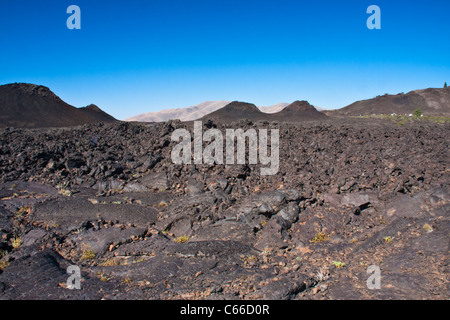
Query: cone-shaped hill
295, 112
236, 110
299, 111
26, 105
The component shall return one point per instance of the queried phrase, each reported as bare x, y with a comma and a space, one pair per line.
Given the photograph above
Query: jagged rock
347, 192
100, 241
43, 276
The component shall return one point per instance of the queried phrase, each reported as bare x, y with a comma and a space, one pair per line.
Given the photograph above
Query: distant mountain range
194, 112
33, 106
26, 105
432, 101
197, 111
184, 114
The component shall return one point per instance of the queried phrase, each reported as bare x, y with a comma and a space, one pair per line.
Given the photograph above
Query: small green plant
110, 263
320, 237
338, 264
104, 278
417, 113
139, 260
22, 212
250, 259
427, 227
263, 221
387, 239
88, 255
127, 280
63, 189
16, 242
181, 239
3, 264
162, 204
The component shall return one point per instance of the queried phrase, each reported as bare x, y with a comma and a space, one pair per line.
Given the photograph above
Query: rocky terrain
349, 194
25, 105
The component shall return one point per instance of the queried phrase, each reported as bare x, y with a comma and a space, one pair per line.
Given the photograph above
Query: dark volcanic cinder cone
237, 110
299, 111
26, 105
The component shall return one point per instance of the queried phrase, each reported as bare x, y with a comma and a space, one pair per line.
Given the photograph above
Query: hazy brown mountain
430, 101
275, 108
184, 114
26, 105
295, 112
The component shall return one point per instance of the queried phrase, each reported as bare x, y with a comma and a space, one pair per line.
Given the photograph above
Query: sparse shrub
320, 237
427, 227
321, 275
63, 189
162, 204
139, 260
250, 259
104, 278
4, 264
127, 280
16, 242
338, 264
22, 212
417, 112
263, 221
181, 239
110, 263
387, 239
88, 255
445, 85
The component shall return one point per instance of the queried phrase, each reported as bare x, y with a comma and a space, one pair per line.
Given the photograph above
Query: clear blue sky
138, 56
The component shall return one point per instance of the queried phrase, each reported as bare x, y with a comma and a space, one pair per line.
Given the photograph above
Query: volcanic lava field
349, 194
